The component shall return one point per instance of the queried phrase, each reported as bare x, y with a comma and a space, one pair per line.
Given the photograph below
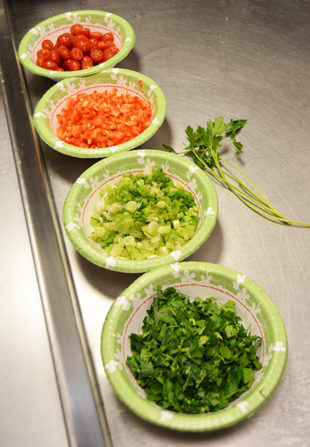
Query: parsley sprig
204, 148
193, 357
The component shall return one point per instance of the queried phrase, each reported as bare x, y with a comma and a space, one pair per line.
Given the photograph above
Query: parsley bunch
193, 357
203, 148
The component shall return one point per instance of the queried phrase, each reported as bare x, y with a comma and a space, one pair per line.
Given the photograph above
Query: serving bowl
83, 198
55, 99
258, 314
124, 38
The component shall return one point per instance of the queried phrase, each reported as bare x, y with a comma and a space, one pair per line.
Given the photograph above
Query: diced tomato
103, 119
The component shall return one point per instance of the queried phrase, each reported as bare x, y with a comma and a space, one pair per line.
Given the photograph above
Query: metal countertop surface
236, 58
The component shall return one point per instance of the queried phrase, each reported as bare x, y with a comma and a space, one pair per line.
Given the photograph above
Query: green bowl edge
125, 50
197, 423
81, 245
49, 138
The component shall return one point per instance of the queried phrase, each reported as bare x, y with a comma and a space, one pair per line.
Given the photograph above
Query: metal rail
82, 408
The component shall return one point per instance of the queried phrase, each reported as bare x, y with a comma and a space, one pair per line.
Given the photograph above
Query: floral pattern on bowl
45, 114
51, 28
255, 308
82, 200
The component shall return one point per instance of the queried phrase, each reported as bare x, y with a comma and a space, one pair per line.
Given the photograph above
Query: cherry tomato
96, 55
93, 43
101, 45
44, 53
64, 52
76, 54
87, 62
50, 65
76, 28
109, 52
71, 65
47, 44
54, 56
107, 44
40, 61
65, 39
60, 69
96, 35
82, 42
85, 32
107, 36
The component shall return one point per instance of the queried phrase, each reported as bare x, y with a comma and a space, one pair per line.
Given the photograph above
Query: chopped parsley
193, 357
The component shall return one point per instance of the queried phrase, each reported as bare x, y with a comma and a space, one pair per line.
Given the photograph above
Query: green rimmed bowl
257, 311
51, 28
52, 102
83, 198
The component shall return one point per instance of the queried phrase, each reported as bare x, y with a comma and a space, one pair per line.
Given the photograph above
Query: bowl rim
96, 255
55, 143
30, 65
227, 417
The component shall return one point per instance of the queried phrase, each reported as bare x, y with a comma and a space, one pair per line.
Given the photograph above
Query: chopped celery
144, 215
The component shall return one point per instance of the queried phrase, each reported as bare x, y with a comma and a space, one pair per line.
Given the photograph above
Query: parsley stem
203, 148
273, 214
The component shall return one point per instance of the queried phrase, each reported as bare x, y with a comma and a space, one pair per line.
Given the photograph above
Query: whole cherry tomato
76, 28
82, 42
97, 55
47, 44
50, 65
76, 54
65, 39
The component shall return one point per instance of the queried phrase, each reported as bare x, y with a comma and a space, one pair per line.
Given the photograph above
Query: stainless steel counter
240, 59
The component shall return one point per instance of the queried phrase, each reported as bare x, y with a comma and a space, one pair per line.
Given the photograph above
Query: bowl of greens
100, 115
135, 211
75, 44
194, 346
